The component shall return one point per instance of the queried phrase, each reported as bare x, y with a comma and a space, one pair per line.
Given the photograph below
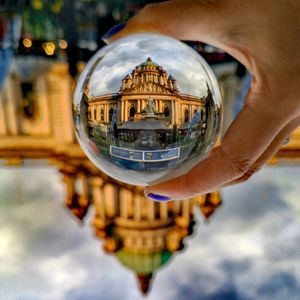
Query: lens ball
147, 109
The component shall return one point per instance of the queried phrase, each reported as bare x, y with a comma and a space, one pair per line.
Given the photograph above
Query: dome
149, 63
143, 263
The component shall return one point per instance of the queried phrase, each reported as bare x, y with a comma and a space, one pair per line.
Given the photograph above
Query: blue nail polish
113, 31
158, 197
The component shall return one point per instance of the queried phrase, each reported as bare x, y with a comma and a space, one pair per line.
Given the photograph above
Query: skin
262, 35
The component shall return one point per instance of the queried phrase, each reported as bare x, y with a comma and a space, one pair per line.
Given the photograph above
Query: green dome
149, 63
143, 263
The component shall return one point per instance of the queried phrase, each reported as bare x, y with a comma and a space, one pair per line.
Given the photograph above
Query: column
126, 111
150, 210
186, 210
163, 210
97, 113
123, 203
84, 189
136, 207
139, 106
3, 129
156, 105
68, 179
109, 200
122, 111
173, 111
11, 110
106, 112
159, 105
97, 197
179, 112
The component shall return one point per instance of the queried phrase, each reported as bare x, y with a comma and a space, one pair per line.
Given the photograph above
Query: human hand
262, 35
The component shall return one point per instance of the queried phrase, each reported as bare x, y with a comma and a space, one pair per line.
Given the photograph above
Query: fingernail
113, 31
158, 197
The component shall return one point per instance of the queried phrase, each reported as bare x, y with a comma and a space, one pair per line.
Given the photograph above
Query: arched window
95, 114
102, 114
132, 112
110, 114
186, 115
166, 112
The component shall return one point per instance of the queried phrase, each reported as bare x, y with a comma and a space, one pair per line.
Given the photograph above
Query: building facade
148, 80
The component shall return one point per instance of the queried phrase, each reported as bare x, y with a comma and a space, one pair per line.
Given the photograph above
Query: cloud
176, 58
46, 255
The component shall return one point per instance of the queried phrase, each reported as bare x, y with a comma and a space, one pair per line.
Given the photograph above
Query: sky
249, 249
178, 59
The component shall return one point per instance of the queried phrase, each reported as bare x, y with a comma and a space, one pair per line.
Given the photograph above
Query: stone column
97, 197
123, 203
136, 207
97, 114
163, 210
186, 209
109, 200
3, 129
156, 105
69, 182
138, 106
122, 111
150, 210
126, 111
11, 110
173, 111
84, 189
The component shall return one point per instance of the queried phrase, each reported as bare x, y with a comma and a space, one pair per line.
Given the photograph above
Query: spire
144, 282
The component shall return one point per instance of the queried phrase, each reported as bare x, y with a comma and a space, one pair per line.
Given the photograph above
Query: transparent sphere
147, 108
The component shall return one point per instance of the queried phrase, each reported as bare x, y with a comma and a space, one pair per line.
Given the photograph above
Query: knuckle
248, 174
237, 166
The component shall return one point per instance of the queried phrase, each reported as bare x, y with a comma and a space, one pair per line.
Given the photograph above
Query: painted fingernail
113, 31
158, 197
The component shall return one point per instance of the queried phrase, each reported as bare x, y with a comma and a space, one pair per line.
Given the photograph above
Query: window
132, 112
186, 115
166, 112
110, 114
102, 114
28, 101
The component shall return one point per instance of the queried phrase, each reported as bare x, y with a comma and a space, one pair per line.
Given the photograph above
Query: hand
262, 35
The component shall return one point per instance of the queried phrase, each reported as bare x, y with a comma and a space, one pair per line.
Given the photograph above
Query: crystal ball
147, 108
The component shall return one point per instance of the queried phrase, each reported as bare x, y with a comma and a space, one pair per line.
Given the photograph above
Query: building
146, 80
142, 234
149, 124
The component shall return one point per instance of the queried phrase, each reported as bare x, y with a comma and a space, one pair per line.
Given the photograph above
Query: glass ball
147, 108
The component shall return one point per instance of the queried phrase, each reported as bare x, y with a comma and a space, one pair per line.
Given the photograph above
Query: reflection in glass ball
147, 108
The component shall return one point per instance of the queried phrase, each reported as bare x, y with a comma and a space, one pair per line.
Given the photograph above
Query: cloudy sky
179, 60
248, 250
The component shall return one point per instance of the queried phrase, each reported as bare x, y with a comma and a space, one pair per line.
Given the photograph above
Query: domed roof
143, 263
149, 63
